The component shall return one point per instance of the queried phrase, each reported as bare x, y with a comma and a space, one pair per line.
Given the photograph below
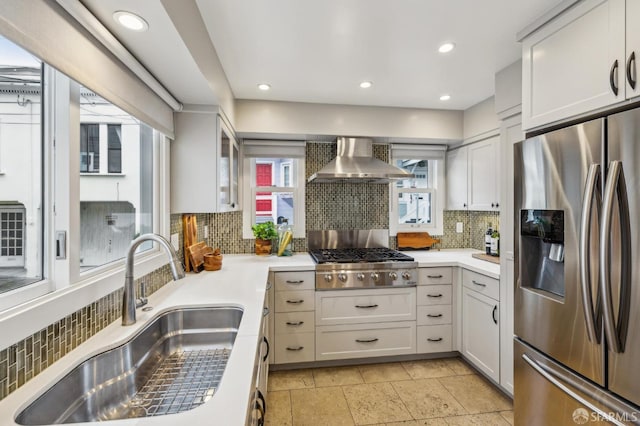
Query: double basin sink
173, 365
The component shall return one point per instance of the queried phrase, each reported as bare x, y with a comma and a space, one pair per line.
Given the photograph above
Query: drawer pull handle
366, 306
295, 281
434, 276
269, 285
477, 283
295, 323
295, 302
434, 295
437, 339
297, 348
434, 315
366, 340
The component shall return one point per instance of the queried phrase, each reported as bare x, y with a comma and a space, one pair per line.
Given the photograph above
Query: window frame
64, 289
436, 179
266, 150
111, 150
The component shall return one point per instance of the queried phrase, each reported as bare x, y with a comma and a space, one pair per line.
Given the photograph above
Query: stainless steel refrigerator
577, 296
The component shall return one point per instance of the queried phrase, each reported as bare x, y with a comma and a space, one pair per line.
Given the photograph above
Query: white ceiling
319, 51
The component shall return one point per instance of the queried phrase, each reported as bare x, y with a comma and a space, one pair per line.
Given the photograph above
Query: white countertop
241, 282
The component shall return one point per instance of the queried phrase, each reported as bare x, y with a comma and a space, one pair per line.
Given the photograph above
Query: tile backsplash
327, 206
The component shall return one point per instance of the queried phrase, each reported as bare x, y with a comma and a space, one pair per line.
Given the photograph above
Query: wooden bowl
212, 262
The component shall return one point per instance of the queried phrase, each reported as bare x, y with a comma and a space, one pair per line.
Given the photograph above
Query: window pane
115, 148
414, 207
420, 168
114, 209
274, 207
21, 225
275, 172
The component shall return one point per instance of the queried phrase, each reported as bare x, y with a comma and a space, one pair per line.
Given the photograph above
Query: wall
303, 120
480, 121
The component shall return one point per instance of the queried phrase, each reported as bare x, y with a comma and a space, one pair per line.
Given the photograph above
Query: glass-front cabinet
228, 169
205, 164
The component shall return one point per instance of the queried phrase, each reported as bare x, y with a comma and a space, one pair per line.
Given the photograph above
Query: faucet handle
142, 298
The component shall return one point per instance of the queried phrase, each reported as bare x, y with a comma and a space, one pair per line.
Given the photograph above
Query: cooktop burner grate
358, 255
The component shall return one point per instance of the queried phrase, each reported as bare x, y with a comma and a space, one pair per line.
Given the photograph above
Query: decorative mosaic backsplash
27, 358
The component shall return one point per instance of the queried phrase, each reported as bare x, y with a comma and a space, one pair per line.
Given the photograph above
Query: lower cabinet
434, 338
258, 403
480, 332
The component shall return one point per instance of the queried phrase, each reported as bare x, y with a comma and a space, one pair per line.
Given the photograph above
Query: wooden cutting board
190, 237
415, 240
196, 255
487, 257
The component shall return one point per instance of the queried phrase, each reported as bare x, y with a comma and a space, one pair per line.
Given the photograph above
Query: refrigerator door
551, 176
623, 141
550, 394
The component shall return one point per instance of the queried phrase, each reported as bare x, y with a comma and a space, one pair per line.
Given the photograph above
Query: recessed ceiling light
264, 86
366, 84
131, 21
445, 97
446, 47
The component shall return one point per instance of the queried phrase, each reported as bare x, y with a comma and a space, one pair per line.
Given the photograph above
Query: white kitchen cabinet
632, 45
205, 164
483, 172
294, 319
457, 179
480, 332
573, 64
472, 176
435, 310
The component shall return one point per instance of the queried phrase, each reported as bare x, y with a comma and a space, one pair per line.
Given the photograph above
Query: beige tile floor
418, 393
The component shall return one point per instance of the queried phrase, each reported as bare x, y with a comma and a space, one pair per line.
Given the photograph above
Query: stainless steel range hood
355, 163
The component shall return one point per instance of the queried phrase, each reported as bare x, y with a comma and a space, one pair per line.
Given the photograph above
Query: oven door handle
591, 191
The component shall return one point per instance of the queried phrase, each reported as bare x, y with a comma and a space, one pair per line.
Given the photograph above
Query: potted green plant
264, 233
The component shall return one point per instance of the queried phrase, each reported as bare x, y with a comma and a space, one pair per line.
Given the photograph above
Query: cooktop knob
328, 277
342, 277
393, 276
360, 276
406, 275
375, 276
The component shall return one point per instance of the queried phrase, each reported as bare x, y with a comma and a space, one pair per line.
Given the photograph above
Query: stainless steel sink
174, 364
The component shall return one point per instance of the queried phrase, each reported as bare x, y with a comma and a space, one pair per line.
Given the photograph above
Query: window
115, 148
274, 184
114, 209
89, 148
21, 167
417, 203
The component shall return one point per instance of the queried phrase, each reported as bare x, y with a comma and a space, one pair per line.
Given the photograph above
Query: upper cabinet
472, 176
577, 62
204, 164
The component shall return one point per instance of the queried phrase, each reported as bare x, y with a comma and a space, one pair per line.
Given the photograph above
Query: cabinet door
457, 179
633, 48
566, 64
480, 332
483, 172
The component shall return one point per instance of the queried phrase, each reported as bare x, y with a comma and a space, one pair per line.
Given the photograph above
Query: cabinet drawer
294, 301
299, 280
297, 347
365, 340
365, 306
481, 283
434, 314
434, 295
294, 322
434, 338
433, 276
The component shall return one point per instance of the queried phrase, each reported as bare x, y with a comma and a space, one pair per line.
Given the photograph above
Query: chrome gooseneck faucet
129, 297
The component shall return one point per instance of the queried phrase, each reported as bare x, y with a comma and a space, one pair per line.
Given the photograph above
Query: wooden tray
416, 240
487, 257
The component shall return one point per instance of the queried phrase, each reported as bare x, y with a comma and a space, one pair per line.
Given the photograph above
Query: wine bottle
487, 240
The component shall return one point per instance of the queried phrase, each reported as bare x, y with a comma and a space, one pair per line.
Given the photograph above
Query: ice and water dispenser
542, 250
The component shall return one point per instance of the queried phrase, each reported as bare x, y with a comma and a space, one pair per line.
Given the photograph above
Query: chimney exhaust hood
355, 163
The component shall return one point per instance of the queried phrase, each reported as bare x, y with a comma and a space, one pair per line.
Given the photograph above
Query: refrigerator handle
616, 332
591, 190
556, 379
